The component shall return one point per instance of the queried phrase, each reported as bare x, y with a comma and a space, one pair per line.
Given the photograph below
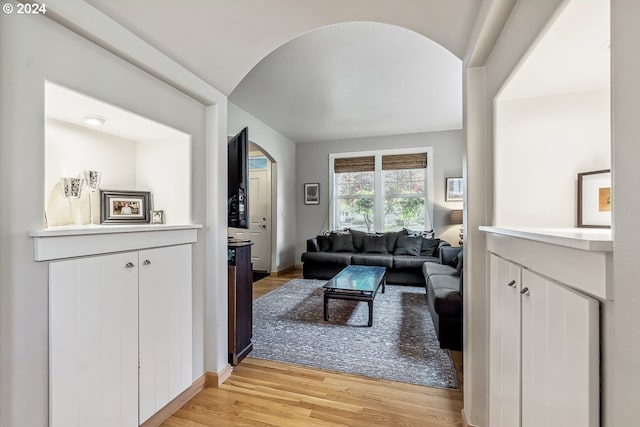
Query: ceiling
355, 80
71, 107
389, 67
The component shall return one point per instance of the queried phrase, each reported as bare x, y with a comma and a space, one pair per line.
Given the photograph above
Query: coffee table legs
328, 296
326, 308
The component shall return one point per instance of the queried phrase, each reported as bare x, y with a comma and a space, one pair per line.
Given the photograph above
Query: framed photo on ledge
157, 217
124, 207
312, 194
594, 199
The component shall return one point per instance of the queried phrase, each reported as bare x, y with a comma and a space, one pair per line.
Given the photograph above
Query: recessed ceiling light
94, 120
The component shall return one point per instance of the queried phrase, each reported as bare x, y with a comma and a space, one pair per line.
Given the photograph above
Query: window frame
378, 223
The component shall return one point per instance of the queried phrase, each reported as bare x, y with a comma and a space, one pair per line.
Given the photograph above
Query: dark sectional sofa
403, 253
410, 258
444, 281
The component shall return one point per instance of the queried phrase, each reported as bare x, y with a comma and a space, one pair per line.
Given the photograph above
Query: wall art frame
312, 193
453, 189
124, 207
594, 199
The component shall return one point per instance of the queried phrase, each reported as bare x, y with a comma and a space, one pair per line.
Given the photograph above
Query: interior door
260, 223
259, 231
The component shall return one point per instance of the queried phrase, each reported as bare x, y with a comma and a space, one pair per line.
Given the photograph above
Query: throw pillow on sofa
408, 245
342, 242
374, 243
324, 243
425, 234
358, 238
392, 238
429, 247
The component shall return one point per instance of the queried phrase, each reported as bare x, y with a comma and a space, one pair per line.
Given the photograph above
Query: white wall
33, 50
125, 165
621, 340
482, 84
620, 335
541, 144
283, 152
71, 149
164, 168
312, 160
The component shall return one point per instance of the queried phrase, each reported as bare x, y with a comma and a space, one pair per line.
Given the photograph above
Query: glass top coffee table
355, 283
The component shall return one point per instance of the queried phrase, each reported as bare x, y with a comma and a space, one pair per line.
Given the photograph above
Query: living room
77, 45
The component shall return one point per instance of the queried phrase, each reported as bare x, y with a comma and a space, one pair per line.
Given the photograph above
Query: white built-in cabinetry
544, 365
120, 324
544, 334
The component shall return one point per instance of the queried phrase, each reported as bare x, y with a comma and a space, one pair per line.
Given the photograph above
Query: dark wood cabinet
240, 301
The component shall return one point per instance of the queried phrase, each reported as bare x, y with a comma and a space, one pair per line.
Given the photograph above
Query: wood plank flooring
267, 393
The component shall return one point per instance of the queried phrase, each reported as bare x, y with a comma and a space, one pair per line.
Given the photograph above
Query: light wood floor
267, 393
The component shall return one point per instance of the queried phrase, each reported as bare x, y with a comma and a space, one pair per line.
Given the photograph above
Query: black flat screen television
238, 180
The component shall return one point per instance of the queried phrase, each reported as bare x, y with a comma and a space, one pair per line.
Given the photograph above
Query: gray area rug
400, 346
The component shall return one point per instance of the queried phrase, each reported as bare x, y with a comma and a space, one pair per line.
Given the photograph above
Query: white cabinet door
560, 376
504, 336
93, 341
165, 326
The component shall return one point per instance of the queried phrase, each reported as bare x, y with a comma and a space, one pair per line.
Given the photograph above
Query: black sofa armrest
448, 255
312, 245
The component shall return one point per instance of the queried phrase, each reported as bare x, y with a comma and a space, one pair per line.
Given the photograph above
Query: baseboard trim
172, 407
284, 271
214, 379
465, 423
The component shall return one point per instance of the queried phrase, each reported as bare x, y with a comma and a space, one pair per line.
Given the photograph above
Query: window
257, 163
381, 191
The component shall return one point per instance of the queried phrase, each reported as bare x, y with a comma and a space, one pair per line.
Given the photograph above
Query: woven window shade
404, 161
354, 164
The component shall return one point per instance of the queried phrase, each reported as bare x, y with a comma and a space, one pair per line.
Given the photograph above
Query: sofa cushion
411, 261
392, 237
342, 242
376, 260
358, 237
459, 263
343, 258
324, 243
374, 243
407, 245
435, 268
429, 247
444, 293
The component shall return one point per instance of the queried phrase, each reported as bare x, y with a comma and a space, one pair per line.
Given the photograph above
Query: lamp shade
455, 216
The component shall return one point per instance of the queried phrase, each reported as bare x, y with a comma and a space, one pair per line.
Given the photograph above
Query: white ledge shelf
581, 259
74, 241
586, 239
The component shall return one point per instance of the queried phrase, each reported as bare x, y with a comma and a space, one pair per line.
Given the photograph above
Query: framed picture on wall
453, 189
312, 194
594, 199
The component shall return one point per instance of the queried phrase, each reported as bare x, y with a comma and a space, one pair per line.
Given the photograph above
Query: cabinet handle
146, 262
525, 291
512, 284
129, 265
